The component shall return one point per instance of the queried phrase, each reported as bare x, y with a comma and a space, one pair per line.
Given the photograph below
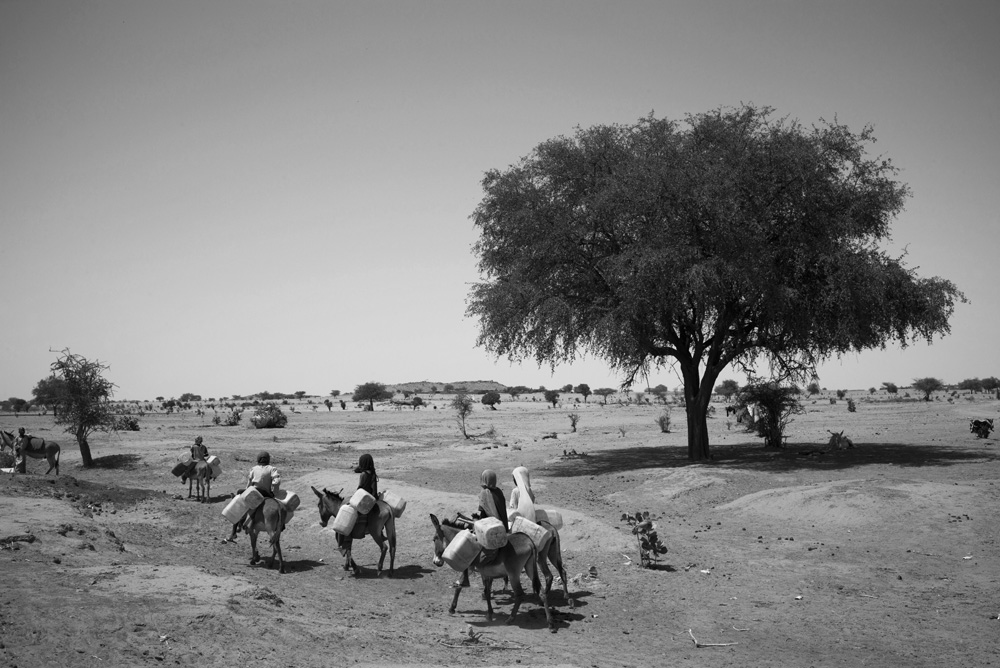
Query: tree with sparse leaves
583, 389
732, 238
462, 403
87, 406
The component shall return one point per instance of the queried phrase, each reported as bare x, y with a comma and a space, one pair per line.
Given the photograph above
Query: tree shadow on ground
755, 457
120, 461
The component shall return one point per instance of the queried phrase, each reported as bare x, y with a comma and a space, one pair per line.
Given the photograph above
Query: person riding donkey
266, 479
199, 453
368, 481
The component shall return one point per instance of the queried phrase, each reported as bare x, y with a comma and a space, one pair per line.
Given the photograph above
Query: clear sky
231, 196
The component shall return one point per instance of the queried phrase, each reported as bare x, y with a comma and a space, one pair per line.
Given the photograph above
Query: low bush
269, 416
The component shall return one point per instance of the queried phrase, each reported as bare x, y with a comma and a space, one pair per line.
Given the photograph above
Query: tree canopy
928, 386
86, 404
371, 392
50, 392
731, 238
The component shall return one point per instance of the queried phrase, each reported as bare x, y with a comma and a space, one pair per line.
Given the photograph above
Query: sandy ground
883, 555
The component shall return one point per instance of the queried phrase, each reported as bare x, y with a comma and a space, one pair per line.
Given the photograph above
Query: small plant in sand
644, 530
851, 406
574, 418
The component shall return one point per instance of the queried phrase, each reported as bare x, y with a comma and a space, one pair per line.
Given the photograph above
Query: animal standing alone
518, 554
34, 447
981, 428
379, 519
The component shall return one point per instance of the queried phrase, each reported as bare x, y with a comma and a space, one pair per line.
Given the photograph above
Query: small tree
328, 404
660, 392
491, 399
890, 387
552, 397
18, 405
776, 404
991, 383
971, 384
574, 418
583, 389
462, 403
604, 393
371, 392
87, 406
727, 388
334, 393
928, 386
841, 394
567, 388
812, 388
50, 392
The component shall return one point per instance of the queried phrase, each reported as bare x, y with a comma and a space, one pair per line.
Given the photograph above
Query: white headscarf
525, 497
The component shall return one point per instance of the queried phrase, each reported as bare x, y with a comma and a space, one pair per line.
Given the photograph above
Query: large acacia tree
731, 238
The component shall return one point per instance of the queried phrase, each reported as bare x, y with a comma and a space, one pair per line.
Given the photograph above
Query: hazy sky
226, 197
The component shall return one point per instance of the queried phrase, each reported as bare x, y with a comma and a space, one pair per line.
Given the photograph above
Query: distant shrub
269, 416
126, 423
841, 394
216, 420
663, 420
832, 400
234, 417
851, 406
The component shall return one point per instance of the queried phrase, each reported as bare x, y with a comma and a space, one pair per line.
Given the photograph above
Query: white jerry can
461, 551
363, 501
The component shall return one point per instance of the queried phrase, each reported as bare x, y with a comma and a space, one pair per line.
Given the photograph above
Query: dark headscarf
491, 500
369, 479
263, 457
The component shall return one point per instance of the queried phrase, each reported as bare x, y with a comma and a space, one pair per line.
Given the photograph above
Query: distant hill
427, 386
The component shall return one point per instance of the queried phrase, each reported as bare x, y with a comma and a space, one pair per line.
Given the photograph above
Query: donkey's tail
536, 582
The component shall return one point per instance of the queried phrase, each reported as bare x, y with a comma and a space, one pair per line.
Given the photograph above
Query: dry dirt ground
882, 555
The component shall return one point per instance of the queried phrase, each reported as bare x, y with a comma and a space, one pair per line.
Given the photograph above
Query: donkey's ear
434, 519
316, 491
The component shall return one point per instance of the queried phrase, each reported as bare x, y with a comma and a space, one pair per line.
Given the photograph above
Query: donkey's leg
392, 553
380, 541
555, 555
254, 558
487, 590
515, 585
276, 549
536, 585
454, 600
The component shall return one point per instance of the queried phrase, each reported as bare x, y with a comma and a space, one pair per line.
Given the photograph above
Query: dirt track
883, 555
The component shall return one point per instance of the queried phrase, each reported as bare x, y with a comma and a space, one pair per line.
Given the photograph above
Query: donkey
201, 476
379, 518
34, 447
518, 554
269, 516
838, 440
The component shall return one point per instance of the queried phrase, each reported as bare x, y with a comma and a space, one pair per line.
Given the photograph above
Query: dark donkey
329, 506
34, 447
270, 517
518, 554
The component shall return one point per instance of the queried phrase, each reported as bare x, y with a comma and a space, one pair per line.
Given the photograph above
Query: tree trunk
81, 439
697, 396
